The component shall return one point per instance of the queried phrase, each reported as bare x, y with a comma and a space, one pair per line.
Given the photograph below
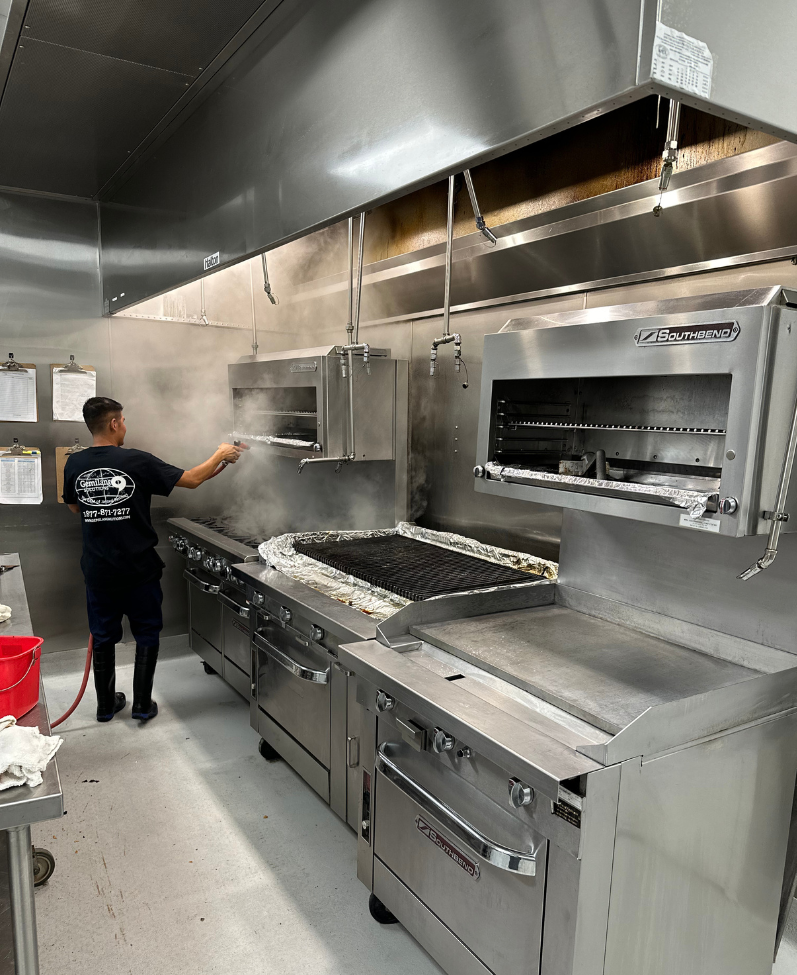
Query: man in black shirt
111, 488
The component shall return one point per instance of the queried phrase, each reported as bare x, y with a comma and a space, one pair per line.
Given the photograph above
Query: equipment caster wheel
270, 754
379, 912
208, 668
43, 866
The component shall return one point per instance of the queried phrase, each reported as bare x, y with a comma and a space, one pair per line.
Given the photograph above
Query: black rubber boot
144, 707
109, 702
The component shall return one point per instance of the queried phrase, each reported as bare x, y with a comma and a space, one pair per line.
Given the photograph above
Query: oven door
293, 684
204, 616
477, 867
235, 641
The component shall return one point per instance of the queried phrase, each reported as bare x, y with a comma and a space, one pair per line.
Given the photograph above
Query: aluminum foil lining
695, 502
280, 553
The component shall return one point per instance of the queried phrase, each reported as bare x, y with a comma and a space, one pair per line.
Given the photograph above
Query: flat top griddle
410, 568
600, 671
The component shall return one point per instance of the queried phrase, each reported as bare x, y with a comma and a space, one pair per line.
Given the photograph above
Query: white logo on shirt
104, 486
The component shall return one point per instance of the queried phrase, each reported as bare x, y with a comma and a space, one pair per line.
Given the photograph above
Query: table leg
23, 907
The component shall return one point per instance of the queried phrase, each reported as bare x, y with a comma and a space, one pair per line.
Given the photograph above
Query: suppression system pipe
447, 337
477, 213
779, 515
348, 350
359, 293
669, 158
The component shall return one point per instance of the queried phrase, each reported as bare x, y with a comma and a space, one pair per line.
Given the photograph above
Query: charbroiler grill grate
223, 529
410, 568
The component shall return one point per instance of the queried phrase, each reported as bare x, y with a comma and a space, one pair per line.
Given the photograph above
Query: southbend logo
448, 848
688, 334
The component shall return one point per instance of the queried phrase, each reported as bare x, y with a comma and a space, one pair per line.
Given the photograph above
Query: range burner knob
727, 506
285, 614
223, 568
520, 794
384, 702
258, 599
478, 471
316, 633
195, 553
442, 741
209, 562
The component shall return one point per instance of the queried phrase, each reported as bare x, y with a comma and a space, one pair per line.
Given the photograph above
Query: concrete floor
183, 851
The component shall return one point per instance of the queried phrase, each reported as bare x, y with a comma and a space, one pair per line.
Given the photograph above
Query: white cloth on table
24, 753
5, 613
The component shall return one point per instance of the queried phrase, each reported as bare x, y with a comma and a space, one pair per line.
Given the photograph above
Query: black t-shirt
114, 488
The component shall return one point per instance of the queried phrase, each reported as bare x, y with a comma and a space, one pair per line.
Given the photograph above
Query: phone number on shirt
106, 514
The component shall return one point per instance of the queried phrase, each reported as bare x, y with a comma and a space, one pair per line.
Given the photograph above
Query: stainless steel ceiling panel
178, 35
344, 103
69, 118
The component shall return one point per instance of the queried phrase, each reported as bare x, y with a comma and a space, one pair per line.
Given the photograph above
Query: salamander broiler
595, 775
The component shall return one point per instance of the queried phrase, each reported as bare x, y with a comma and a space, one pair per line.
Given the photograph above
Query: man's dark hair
97, 410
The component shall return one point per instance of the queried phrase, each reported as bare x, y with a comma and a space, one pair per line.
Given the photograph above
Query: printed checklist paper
21, 477
70, 392
18, 395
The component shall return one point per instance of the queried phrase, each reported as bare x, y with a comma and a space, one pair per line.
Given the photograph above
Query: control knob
384, 702
442, 741
258, 599
520, 794
727, 506
195, 553
209, 562
478, 471
285, 614
316, 633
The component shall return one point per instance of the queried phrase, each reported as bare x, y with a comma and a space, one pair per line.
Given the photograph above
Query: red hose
82, 690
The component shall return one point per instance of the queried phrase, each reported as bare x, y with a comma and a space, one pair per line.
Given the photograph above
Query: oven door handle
515, 861
242, 611
200, 583
297, 669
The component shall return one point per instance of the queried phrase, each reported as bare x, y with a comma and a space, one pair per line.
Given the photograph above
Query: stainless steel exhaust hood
338, 106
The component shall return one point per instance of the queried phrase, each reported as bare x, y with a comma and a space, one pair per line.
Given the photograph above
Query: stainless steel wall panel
50, 308
349, 102
684, 574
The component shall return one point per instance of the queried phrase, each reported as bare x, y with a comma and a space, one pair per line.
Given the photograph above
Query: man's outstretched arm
199, 474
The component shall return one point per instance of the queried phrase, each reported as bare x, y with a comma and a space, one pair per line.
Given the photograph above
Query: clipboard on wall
20, 475
62, 454
72, 385
18, 401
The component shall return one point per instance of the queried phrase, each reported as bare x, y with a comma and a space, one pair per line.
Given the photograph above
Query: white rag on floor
24, 753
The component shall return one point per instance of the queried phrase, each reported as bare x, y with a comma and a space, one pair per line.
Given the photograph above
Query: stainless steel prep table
19, 808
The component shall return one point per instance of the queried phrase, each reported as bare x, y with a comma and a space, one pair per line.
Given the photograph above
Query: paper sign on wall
21, 477
71, 389
682, 61
18, 394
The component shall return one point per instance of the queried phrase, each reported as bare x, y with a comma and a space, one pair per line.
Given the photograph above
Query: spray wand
226, 463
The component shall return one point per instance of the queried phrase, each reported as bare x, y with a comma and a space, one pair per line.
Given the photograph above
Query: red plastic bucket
20, 658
